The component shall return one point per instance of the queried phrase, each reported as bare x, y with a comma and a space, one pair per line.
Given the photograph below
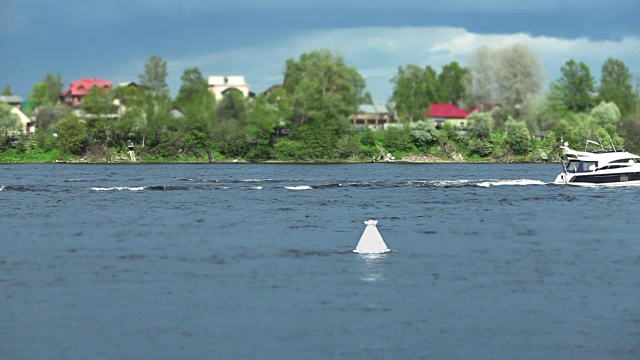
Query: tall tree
575, 88
54, 87
518, 75
408, 91
132, 118
482, 65
232, 107
47, 92
432, 87
323, 88
194, 85
97, 106
616, 85
414, 90
39, 96
7, 91
154, 78
452, 81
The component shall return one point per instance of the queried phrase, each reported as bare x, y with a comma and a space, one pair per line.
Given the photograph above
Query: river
241, 261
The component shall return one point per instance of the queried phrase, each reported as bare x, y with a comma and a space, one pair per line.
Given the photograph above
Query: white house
218, 85
28, 127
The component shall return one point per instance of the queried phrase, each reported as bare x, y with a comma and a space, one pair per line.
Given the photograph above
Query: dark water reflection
254, 261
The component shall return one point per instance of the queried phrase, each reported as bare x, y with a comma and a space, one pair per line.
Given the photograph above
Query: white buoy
371, 241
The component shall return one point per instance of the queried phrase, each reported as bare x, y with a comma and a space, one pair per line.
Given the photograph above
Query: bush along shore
399, 144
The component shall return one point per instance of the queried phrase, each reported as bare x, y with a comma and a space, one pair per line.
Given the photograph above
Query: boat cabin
578, 166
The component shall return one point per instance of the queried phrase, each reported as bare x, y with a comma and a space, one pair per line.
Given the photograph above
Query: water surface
254, 261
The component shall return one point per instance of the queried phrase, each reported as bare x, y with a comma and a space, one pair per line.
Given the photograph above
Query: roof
176, 112
11, 99
128, 83
372, 109
82, 86
448, 111
271, 88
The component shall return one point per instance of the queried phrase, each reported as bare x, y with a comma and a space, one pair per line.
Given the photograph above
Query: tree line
320, 92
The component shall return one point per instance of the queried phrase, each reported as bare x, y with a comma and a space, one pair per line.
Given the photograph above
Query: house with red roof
74, 94
448, 114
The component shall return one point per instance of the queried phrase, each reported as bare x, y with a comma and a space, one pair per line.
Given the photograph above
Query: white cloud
377, 52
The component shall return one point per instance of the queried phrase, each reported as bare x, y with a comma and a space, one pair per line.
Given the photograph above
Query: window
581, 166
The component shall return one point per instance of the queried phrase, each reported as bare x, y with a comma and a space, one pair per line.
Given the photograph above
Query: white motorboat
605, 167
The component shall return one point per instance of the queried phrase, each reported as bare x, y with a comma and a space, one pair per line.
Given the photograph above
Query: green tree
323, 90
575, 88
98, 102
452, 81
198, 103
54, 87
433, 90
7, 90
154, 78
616, 86
72, 135
47, 92
98, 107
157, 119
424, 134
630, 129
482, 66
48, 115
479, 136
517, 137
481, 125
263, 117
398, 139
9, 123
132, 118
606, 115
194, 86
232, 107
39, 95
518, 76
414, 90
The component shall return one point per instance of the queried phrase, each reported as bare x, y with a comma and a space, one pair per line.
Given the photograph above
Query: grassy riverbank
39, 156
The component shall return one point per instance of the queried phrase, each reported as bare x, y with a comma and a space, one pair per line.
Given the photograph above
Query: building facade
219, 85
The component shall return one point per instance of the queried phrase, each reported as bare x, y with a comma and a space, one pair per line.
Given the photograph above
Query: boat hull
598, 178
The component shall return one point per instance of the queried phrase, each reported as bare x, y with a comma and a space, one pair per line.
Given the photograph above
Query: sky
112, 39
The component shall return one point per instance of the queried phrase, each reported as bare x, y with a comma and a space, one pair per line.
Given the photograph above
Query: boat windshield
576, 166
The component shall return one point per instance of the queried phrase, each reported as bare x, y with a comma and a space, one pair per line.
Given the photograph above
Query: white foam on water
119, 188
298, 188
1, 188
448, 183
258, 187
256, 180
517, 182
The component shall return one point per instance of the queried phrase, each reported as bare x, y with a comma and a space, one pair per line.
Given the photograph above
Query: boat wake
271, 185
518, 182
119, 188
